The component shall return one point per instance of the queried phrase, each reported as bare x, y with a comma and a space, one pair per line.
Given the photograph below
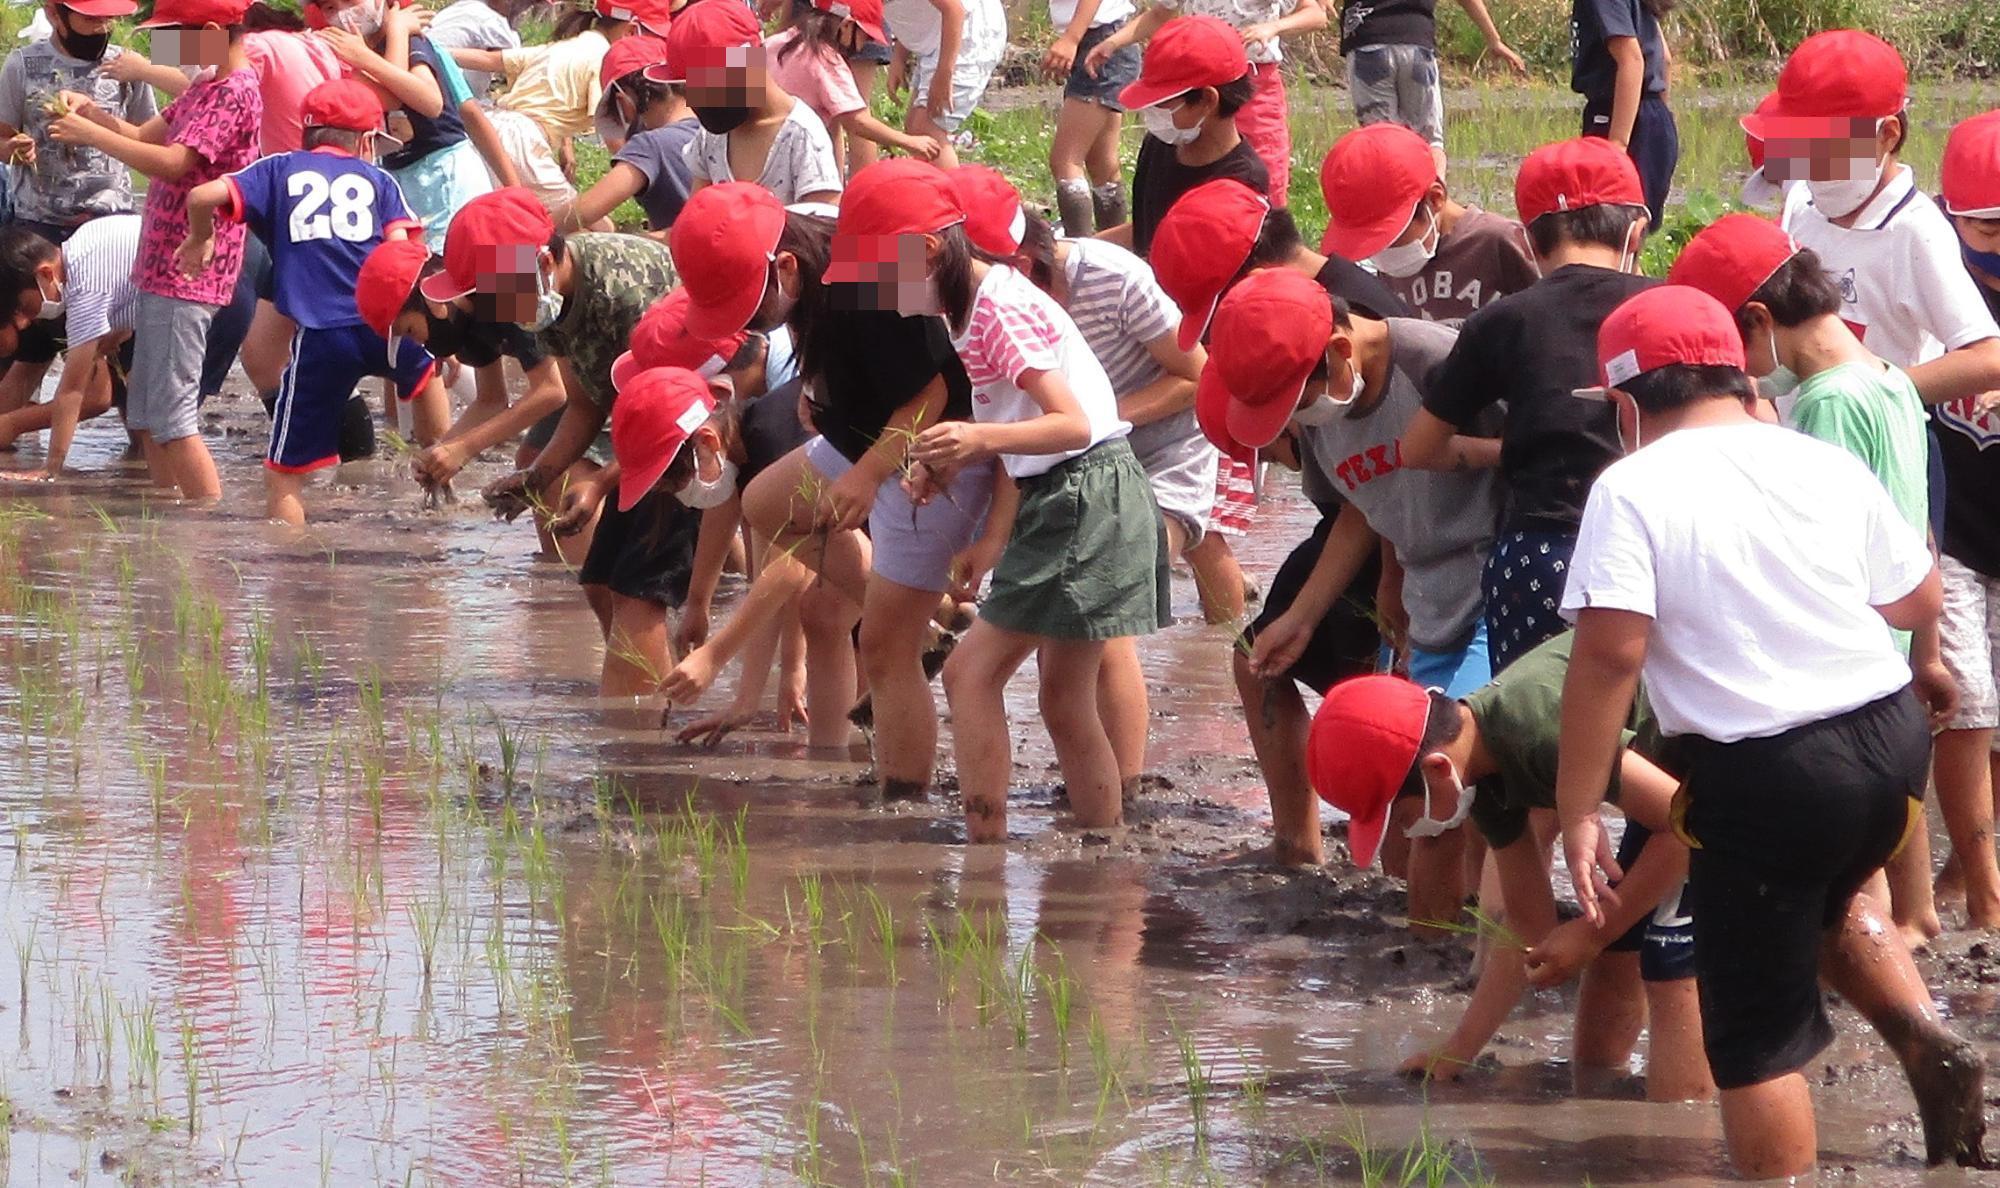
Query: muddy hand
1435, 1064
1562, 954
709, 732
508, 495
690, 678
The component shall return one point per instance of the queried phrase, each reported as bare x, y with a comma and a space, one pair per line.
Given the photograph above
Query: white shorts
979, 53
1969, 637
534, 159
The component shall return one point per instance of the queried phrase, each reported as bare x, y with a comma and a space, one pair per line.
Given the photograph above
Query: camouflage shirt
68, 183
618, 277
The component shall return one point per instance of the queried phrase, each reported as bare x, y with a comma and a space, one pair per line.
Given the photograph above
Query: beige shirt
556, 84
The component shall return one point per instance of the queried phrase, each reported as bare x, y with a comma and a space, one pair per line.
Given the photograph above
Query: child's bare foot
1948, 1081
905, 790
1983, 913
1918, 934
1950, 884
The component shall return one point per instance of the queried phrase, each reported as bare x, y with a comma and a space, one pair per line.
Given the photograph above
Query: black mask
446, 336
722, 120
84, 48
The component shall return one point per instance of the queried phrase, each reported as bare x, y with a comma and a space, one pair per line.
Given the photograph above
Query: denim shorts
1120, 70
1397, 84
913, 546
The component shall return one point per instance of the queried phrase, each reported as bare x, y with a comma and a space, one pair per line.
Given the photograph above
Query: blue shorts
1119, 71
325, 366
1663, 939
1457, 673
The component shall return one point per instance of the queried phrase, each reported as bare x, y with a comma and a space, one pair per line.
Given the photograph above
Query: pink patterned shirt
220, 121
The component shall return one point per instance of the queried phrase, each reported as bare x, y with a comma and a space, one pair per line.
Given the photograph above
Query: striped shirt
1119, 307
98, 293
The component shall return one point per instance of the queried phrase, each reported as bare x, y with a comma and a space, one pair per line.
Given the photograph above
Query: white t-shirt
472, 24
1013, 328
1241, 14
1759, 553
1110, 12
1903, 285
801, 161
98, 292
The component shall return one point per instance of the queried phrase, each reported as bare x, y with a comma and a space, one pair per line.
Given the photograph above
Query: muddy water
319, 866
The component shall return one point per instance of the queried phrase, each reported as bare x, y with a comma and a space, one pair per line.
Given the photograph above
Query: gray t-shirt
68, 183
1440, 523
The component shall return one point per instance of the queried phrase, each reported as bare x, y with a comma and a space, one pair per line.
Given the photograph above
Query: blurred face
737, 80
1845, 150
899, 277
191, 47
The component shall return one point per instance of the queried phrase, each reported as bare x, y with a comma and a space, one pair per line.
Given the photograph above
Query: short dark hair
1278, 240
1799, 291
21, 252
1341, 319
1603, 225
1442, 726
1230, 97
340, 138
1678, 385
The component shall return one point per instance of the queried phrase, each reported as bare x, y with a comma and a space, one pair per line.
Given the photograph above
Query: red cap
615, 10
1971, 170
1838, 74
1187, 52
661, 339
1202, 242
102, 8
1271, 330
654, 16
701, 34
383, 285
1211, 412
865, 13
994, 219
499, 233
885, 202
1372, 180
195, 13
1666, 325
1733, 257
1364, 742
723, 243
345, 103
1753, 143
627, 54
651, 420
1573, 174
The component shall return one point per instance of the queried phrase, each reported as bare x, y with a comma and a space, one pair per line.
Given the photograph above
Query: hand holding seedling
1563, 953
194, 254
436, 465
973, 563
846, 501
921, 484
1434, 1064
1592, 866
21, 149
1280, 645
512, 494
690, 678
75, 127
577, 505
947, 445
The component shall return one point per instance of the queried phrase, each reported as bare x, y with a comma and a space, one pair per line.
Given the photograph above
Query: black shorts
1784, 830
1664, 937
1347, 643
646, 553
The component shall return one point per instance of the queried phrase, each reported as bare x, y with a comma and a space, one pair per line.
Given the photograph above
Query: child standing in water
1073, 537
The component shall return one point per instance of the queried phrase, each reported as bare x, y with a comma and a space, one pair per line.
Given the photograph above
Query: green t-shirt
1519, 716
618, 277
1872, 411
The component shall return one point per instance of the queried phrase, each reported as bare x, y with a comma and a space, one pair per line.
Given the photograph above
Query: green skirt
1088, 555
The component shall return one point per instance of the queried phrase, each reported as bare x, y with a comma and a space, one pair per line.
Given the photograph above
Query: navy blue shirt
321, 212
657, 155
1593, 73
428, 134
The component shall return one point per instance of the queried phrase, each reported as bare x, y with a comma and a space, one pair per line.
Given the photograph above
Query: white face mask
1429, 826
1779, 384
1838, 199
702, 494
1628, 256
1408, 259
52, 307
548, 303
197, 74
1160, 125
1321, 412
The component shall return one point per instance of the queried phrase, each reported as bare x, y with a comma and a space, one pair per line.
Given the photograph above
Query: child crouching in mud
1748, 572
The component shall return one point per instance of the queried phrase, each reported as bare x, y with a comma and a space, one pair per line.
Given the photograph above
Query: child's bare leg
1080, 125
1069, 700
1278, 722
1217, 578
284, 497
190, 468
267, 347
920, 123
639, 649
1868, 964
20, 383
1962, 766
1107, 190
1123, 708
895, 629
1769, 1128
1676, 1066
1610, 1012
975, 682
1909, 873
159, 471
828, 620
861, 151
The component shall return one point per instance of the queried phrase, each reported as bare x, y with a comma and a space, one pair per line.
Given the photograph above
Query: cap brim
1364, 836
633, 484
665, 75
394, 341
874, 30
1193, 327
623, 370
1358, 243
104, 8
727, 317
1209, 393
442, 287
1258, 425
1146, 94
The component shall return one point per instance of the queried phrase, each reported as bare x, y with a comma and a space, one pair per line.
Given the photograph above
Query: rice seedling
1487, 929
1060, 991
1195, 1082
885, 930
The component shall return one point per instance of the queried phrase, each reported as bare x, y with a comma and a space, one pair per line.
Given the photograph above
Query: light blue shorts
913, 546
1457, 673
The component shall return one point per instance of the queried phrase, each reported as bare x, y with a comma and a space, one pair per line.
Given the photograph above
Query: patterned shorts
1969, 638
1525, 575
1235, 498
